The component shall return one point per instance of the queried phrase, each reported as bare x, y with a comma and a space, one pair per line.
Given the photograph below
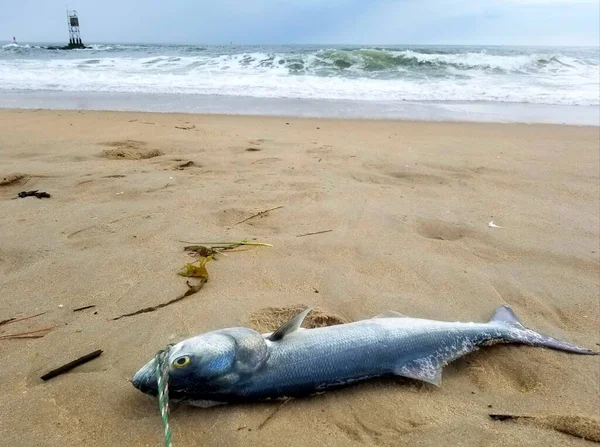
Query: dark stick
69, 366
507, 417
21, 337
316, 232
261, 213
84, 308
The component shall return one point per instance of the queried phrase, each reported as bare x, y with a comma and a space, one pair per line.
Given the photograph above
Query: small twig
228, 245
84, 308
269, 417
190, 291
260, 213
30, 334
15, 320
185, 127
69, 366
22, 337
316, 232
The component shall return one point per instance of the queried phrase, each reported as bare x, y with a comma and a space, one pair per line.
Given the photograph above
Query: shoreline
417, 111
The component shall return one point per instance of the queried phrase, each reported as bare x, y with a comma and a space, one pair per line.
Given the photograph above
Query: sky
452, 22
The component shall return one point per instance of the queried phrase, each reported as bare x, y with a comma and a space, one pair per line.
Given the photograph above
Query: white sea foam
356, 74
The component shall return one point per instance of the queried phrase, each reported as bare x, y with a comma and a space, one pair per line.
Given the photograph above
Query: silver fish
240, 364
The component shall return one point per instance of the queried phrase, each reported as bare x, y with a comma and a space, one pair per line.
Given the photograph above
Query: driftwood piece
69, 366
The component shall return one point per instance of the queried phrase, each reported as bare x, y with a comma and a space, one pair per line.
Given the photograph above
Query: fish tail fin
518, 333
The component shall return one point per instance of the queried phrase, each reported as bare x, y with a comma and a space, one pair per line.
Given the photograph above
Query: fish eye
181, 362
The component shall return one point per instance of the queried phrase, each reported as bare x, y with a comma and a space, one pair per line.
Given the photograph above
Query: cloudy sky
510, 22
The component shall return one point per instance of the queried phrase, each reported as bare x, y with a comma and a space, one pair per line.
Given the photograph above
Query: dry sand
409, 206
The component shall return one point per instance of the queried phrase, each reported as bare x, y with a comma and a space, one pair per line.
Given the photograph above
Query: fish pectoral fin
425, 370
292, 325
390, 314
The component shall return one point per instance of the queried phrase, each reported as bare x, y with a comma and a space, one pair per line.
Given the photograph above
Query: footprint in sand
129, 150
265, 161
419, 178
13, 179
440, 230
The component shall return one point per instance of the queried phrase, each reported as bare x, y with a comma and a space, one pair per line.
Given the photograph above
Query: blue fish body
239, 364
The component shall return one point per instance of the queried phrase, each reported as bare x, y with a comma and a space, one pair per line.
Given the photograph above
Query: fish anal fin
390, 314
425, 370
292, 325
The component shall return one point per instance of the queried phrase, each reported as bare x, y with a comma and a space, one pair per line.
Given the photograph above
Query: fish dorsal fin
292, 325
426, 370
390, 314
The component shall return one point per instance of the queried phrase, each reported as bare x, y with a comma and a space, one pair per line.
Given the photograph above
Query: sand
408, 204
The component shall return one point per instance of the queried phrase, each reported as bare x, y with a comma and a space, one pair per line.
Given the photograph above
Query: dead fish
241, 365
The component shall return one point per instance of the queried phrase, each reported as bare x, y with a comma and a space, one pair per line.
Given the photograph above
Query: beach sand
408, 205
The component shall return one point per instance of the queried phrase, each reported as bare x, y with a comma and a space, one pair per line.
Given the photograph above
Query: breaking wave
429, 73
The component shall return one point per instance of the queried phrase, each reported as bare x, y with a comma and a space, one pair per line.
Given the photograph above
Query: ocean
434, 82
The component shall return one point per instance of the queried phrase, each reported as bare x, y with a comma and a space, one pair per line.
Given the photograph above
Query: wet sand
408, 205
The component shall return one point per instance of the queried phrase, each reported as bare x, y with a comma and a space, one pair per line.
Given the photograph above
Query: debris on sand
69, 366
316, 232
578, 426
228, 245
35, 193
190, 270
16, 320
201, 250
84, 308
259, 214
29, 334
12, 179
190, 291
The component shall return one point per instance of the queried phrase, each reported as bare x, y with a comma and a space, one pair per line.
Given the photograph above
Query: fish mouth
145, 380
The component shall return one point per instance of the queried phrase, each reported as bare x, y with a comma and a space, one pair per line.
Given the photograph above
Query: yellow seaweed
196, 271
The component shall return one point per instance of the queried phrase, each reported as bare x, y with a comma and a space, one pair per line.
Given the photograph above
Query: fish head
207, 365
